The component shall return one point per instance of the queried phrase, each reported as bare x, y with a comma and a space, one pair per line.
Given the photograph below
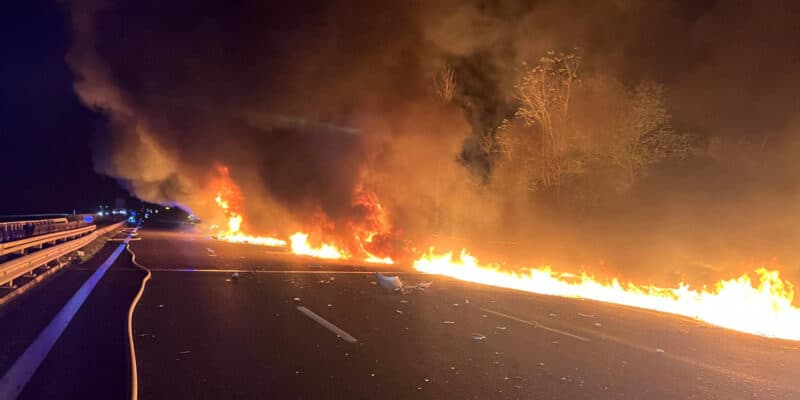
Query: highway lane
90, 358
205, 335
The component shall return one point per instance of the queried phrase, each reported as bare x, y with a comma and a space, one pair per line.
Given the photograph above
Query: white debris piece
448, 322
478, 336
659, 350
388, 282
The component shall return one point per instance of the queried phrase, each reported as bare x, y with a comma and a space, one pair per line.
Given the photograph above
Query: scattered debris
399, 311
185, 352
500, 328
659, 350
586, 315
160, 306
394, 284
552, 314
427, 380
80, 253
235, 276
541, 364
554, 342
597, 324
466, 301
330, 305
448, 322
478, 336
227, 279
296, 299
404, 301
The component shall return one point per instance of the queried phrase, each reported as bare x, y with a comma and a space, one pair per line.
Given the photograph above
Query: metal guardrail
13, 269
40, 240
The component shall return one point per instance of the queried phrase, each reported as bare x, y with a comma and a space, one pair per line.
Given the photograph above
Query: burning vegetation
621, 141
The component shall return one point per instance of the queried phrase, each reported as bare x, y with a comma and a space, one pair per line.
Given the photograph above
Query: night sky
44, 129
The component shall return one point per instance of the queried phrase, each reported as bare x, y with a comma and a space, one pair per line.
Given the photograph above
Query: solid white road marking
537, 325
331, 327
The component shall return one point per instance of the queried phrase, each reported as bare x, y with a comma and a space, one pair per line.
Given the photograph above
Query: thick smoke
308, 102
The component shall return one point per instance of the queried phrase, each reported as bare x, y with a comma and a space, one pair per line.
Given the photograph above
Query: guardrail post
10, 284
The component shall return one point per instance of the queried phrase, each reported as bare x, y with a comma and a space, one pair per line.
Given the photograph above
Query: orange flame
373, 235
229, 195
765, 309
233, 234
301, 246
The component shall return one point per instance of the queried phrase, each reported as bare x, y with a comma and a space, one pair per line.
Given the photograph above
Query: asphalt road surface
299, 328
